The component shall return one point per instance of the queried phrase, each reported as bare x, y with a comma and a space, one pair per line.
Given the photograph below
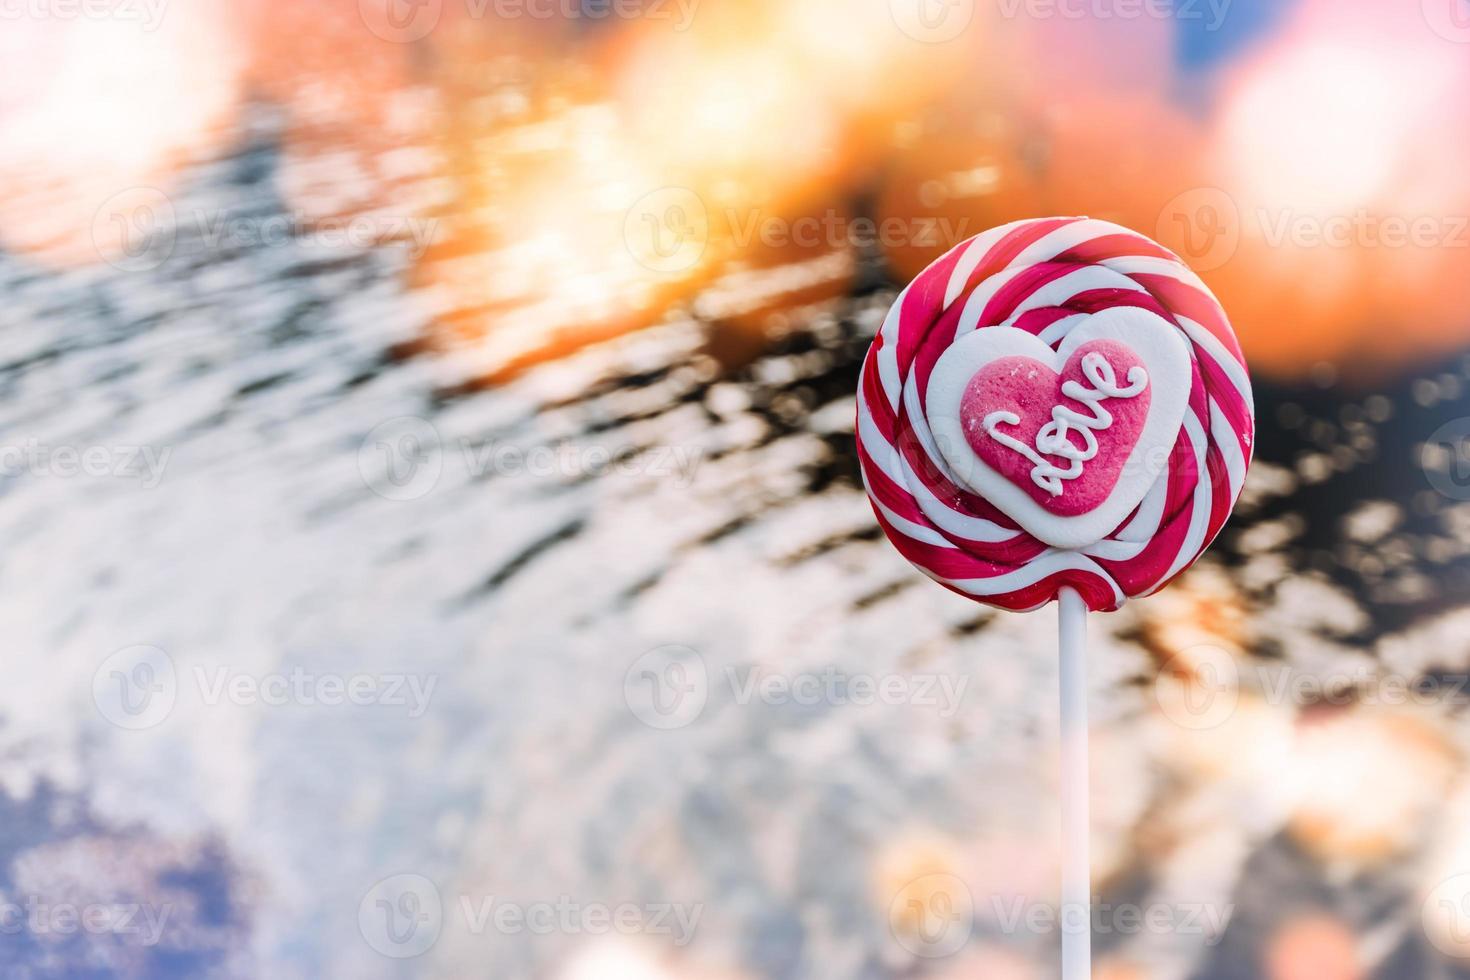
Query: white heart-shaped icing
1166, 358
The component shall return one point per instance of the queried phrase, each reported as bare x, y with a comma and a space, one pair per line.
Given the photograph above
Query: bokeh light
1314, 948
1336, 148
96, 109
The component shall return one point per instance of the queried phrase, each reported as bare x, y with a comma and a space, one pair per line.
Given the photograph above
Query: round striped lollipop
1055, 403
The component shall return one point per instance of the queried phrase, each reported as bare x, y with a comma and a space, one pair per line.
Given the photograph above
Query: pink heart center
1063, 438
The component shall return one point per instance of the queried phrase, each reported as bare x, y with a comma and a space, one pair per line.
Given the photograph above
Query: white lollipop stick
1076, 909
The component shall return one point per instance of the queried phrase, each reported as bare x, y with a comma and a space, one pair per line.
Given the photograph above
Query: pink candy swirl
1038, 276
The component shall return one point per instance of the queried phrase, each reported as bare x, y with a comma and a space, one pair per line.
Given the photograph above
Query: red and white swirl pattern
1045, 277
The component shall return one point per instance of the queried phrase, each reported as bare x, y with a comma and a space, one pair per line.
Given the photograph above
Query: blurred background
434, 542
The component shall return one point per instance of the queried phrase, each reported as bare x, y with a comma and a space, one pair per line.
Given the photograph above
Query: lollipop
1056, 409
1054, 403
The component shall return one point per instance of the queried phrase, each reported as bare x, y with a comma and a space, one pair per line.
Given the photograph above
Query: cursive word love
1055, 438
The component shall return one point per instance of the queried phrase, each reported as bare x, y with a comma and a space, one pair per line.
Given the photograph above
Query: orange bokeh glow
1313, 948
100, 107
1339, 149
